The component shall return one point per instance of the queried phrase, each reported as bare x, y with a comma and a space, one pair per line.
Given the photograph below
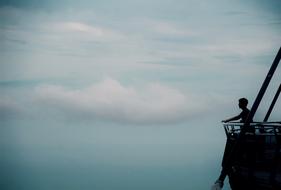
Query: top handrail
254, 123
256, 128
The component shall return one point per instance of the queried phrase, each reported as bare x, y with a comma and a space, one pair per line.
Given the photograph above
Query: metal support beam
272, 104
263, 88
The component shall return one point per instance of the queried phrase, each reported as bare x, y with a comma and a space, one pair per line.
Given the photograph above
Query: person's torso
244, 115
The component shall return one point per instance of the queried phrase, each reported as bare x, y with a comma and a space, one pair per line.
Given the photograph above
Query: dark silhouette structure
252, 156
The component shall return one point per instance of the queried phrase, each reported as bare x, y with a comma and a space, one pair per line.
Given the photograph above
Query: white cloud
81, 27
83, 31
109, 100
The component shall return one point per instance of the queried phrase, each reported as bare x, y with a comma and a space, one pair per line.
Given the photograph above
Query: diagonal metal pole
272, 104
263, 88
236, 146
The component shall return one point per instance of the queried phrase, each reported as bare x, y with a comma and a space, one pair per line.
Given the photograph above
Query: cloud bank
110, 100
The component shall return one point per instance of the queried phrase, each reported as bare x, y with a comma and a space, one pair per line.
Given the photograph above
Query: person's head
243, 102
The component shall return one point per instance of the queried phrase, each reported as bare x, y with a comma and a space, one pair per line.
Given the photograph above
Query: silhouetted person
243, 102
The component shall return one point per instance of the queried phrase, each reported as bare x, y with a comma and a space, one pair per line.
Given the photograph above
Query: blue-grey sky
141, 54
140, 82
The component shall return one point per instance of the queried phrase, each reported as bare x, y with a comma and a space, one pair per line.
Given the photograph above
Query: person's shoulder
245, 111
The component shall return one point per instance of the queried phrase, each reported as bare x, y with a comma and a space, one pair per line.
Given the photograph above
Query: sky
128, 94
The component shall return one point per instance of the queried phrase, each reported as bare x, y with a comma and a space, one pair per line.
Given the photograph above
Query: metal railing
255, 128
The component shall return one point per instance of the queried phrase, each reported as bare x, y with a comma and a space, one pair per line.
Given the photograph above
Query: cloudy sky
128, 77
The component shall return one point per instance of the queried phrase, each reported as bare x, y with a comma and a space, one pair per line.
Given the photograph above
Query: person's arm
232, 119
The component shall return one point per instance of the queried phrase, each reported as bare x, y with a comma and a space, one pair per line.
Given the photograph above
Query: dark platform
256, 165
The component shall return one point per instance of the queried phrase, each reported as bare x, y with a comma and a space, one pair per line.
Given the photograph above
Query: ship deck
257, 162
